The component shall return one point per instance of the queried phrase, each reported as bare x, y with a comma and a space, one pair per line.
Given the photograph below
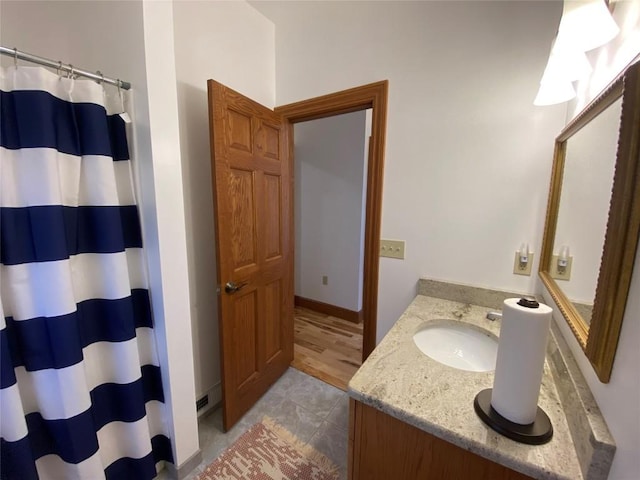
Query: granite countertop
401, 381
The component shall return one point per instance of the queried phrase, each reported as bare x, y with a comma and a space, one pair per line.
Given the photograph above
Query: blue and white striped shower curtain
81, 394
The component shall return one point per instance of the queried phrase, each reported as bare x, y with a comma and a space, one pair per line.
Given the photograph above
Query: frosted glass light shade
554, 92
565, 64
586, 24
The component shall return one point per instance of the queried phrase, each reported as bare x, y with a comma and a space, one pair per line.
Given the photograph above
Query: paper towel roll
520, 361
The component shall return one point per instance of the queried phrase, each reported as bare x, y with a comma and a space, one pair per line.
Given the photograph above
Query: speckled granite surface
464, 293
401, 381
594, 444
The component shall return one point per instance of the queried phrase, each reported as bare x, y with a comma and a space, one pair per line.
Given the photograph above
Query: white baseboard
181, 472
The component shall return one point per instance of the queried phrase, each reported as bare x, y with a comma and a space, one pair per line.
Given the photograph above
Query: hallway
326, 347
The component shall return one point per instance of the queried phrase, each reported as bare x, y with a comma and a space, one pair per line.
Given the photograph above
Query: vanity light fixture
551, 93
566, 64
585, 25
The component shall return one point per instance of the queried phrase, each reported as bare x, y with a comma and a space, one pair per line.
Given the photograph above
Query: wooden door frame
374, 96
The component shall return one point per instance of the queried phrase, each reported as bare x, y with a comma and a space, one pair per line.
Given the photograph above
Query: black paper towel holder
536, 433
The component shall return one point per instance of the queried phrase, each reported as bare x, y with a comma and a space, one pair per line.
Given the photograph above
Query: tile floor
314, 411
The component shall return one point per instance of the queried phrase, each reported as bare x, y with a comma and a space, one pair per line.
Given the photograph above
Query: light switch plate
392, 249
522, 271
553, 270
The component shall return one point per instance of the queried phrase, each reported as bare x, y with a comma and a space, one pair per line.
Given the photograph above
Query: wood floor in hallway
326, 347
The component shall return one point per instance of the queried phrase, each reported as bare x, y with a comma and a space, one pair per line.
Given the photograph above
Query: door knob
232, 287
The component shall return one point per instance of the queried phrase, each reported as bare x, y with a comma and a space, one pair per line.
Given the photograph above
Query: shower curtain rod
18, 55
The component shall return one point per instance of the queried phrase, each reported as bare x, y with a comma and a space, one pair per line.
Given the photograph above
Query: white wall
619, 400
329, 173
82, 33
168, 254
468, 156
234, 44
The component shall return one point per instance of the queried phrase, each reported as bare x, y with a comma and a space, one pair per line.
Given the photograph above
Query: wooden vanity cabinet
384, 448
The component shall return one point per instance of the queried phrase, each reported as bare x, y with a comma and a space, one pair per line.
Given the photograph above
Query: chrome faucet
493, 316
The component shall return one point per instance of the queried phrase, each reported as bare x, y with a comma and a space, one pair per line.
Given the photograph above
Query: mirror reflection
587, 182
593, 219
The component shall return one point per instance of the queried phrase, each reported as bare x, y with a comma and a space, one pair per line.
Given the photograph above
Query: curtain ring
15, 57
59, 68
101, 81
71, 72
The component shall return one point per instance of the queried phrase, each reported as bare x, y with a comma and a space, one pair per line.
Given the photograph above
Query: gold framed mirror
593, 218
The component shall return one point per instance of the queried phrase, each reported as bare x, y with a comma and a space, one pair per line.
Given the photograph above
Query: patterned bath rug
269, 452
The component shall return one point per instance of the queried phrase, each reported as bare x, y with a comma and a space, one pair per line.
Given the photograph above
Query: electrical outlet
392, 249
325, 280
558, 274
518, 268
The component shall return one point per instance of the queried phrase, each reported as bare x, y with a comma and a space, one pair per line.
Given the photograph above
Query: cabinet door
382, 447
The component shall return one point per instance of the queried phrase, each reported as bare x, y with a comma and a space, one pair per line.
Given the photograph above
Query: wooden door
252, 183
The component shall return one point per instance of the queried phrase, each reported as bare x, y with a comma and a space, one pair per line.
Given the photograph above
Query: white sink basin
458, 345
